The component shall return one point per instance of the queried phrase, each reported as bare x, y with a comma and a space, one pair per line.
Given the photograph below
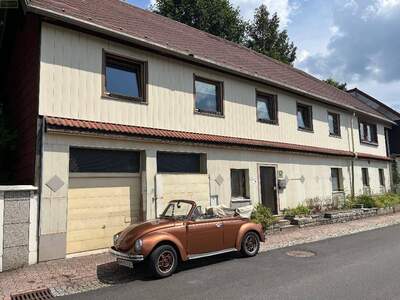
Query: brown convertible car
183, 232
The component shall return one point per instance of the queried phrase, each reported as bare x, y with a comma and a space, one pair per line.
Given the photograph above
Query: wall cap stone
11, 188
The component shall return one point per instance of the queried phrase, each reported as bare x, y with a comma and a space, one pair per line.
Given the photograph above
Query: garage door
100, 203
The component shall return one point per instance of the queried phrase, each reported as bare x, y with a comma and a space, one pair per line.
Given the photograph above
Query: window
208, 96
267, 108
240, 183
368, 133
172, 162
365, 176
382, 177
83, 160
334, 124
337, 179
124, 78
304, 117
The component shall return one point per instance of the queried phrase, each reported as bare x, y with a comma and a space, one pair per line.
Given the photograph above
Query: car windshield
177, 210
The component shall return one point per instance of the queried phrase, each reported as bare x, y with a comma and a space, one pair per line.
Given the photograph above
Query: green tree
265, 37
337, 84
217, 17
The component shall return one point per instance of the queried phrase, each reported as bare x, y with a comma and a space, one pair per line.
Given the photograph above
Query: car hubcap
251, 243
165, 261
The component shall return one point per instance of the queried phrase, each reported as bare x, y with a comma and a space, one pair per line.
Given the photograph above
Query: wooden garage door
99, 207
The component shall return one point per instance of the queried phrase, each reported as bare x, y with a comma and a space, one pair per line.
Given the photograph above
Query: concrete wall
71, 70
308, 176
18, 226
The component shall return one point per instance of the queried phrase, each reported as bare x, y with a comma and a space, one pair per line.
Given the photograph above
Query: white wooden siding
70, 86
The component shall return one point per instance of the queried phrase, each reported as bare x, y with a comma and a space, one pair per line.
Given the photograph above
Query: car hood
133, 232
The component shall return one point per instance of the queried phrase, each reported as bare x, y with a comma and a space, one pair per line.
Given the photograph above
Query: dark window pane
123, 78
304, 117
334, 124
103, 161
239, 184
169, 162
207, 97
365, 176
336, 175
381, 177
266, 108
368, 132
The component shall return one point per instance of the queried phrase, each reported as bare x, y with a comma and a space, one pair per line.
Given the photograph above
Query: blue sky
356, 41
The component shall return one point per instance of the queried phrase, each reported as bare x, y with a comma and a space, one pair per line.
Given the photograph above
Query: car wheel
250, 244
163, 261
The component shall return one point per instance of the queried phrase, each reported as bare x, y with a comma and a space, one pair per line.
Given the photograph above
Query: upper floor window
365, 177
267, 108
368, 133
304, 117
337, 179
334, 124
124, 78
208, 96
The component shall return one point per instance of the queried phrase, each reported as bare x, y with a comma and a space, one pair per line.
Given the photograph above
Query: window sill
240, 200
369, 143
309, 130
209, 114
268, 122
337, 136
338, 192
124, 98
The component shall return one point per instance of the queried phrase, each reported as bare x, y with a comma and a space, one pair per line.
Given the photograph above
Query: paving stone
98, 271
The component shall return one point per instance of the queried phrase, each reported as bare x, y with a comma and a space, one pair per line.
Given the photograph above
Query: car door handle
219, 225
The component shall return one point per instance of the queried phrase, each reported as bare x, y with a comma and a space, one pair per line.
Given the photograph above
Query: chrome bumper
125, 256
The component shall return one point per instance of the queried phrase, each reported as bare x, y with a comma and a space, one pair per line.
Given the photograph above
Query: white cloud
284, 8
363, 48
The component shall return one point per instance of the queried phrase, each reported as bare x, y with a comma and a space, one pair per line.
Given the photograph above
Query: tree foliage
220, 18
217, 17
265, 37
337, 84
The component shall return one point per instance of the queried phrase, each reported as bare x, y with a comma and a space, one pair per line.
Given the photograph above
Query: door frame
275, 166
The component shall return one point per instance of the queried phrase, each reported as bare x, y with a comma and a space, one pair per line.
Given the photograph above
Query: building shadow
112, 273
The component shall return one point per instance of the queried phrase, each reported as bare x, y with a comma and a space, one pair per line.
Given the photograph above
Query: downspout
354, 156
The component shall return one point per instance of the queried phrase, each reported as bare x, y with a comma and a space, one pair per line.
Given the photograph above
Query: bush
263, 215
300, 211
367, 201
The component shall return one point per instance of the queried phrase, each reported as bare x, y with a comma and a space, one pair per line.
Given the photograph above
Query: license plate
125, 263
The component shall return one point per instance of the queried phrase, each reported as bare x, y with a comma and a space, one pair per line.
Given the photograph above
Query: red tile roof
108, 128
63, 124
373, 157
116, 17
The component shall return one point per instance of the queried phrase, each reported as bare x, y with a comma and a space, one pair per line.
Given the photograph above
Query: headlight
138, 246
115, 238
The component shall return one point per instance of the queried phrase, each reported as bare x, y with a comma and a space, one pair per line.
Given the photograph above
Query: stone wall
18, 226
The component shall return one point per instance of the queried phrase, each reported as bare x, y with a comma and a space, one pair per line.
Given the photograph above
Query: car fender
246, 228
151, 240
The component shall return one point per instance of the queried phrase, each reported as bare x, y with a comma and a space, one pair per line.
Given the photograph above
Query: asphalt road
360, 266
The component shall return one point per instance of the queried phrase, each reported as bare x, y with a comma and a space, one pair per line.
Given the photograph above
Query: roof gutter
186, 56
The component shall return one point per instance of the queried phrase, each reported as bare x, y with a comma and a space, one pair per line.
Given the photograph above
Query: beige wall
314, 169
70, 86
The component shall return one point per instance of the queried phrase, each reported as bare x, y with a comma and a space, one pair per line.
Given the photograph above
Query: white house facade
125, 128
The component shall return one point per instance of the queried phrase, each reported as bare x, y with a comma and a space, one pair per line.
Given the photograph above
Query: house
391, 134
119, 110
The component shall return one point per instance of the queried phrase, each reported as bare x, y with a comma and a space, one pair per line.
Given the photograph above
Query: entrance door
268, 188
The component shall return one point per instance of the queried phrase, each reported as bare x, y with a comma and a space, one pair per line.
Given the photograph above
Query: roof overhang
74, 126
187, 56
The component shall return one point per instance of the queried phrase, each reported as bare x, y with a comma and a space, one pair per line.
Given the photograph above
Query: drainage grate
33, 295
300, 253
